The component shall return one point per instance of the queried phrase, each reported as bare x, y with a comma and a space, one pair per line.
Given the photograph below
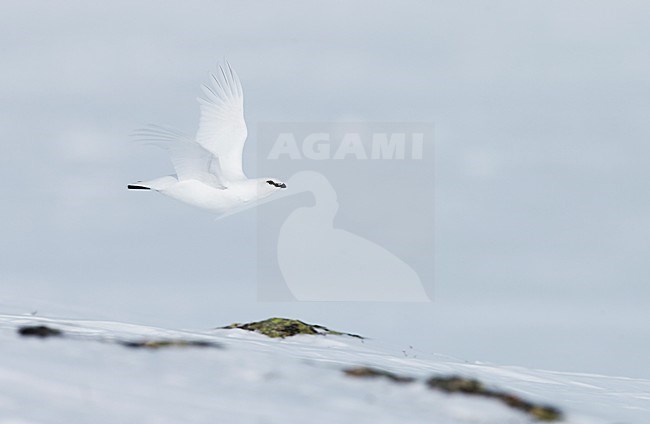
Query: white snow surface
87, 377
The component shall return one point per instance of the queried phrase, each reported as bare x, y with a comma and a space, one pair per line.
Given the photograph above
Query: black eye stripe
273, 183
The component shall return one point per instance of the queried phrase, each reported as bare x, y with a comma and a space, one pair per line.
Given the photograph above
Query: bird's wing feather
190, 160
222, 129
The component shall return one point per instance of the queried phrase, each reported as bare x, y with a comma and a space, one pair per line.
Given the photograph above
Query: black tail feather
137, 187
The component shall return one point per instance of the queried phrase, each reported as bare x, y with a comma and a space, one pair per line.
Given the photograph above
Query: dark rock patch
456, 384
367, 372
472, 387
41, 331
158, 344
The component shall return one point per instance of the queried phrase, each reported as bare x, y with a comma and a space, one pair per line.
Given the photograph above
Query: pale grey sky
542, 212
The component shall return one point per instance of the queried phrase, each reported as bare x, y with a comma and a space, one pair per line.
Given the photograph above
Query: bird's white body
209, 172
221, 201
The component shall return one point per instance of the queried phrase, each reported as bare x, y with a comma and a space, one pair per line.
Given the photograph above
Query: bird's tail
138, 186
156, 184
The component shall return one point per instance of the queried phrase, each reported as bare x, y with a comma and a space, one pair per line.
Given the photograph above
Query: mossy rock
284, 327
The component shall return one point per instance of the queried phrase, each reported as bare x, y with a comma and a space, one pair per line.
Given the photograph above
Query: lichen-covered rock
284, 327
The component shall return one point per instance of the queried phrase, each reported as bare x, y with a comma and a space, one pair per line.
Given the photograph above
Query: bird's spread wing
222, 130
190, 160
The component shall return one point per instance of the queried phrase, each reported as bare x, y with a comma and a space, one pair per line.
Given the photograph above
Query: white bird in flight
208, 168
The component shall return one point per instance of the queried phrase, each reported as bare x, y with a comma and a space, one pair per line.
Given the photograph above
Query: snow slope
88, 377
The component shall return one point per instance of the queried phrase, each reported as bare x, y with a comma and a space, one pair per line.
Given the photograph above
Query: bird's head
275, 183
268, 186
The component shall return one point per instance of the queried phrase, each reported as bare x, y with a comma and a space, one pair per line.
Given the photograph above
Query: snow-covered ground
88, 376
